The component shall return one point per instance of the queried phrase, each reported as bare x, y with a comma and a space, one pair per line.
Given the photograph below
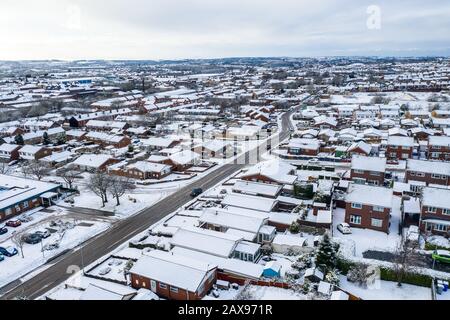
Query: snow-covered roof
176, 270
234, 266
249, 202
369, 195
185, 157
367, 148
368, 163
92, 160
8, 147
218, 216
427, 166
289, 240
146, 166
29, 149
400, 141
442, 141
436, 197
15, 190
256, 188
207, 241
276, 170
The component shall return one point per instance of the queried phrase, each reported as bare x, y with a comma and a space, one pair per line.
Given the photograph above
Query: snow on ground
273, 293
386, 290
15, 267
366, 239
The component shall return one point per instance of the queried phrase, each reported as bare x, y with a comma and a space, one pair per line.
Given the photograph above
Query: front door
153, 285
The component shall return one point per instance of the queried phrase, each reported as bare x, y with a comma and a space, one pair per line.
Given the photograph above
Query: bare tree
69, 175
119, 186
99, 184
405, 258
4, 168
35, 169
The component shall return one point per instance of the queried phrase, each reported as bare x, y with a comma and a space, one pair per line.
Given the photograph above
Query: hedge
432, 247
389, 275
416, 279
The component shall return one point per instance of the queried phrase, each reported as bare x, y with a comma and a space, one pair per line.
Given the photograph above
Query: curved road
124, 230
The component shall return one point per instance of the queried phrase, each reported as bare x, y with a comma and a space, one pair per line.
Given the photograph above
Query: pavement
60, 270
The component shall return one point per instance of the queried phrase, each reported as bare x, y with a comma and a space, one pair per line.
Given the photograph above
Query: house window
412, 173
440, 227
136, 281
17, 207
436, 176
8, 211
375, 173
174, 289
359, 171
446, 212
356, 205
378, 223
162, 285
25, 204
378, 209
355, 219
432, 210
420, 174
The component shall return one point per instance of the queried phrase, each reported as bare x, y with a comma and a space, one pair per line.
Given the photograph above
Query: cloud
158, 29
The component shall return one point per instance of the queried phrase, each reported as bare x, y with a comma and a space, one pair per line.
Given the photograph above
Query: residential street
95, 248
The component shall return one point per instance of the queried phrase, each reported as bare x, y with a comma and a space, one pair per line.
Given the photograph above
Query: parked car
25, 219
13, 223
3, 230
43, 234
441, 256
344, 228
8, 251
32, 238
196, 192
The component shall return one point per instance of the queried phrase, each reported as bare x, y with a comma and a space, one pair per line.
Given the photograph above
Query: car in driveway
441, 256
196, 192
32, 238
13, 223
43, 234
3, 230
344, 228
8, 251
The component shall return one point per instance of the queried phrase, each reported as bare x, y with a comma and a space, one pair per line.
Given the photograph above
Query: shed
272, 270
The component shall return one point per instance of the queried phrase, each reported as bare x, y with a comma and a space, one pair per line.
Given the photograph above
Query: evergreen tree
326, 257
19, 140
45, 138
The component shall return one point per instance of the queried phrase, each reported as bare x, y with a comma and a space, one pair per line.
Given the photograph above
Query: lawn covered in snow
386, 290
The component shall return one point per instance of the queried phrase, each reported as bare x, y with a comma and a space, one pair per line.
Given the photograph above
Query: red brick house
439, 148
29, 152
370, 170
308, 147
368, 207
430, 172
435, 211
359, 148
399, 147
143, 170
173, 277
9, 152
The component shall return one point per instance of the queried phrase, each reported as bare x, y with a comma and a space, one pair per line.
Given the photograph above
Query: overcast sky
173, 29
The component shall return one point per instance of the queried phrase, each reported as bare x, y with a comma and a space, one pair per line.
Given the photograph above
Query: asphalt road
124, 230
